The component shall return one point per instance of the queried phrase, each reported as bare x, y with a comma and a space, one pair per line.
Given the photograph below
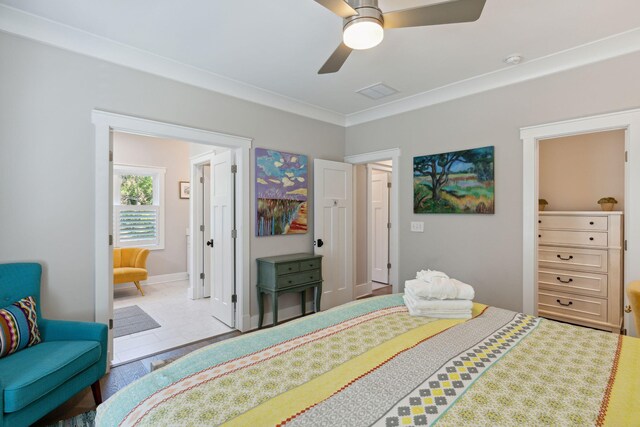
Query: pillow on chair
18, 326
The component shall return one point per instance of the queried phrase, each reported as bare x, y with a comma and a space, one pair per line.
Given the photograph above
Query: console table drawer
298, 278
312, 264
572, 306
572, 281
583, 238
573, 258
290, 267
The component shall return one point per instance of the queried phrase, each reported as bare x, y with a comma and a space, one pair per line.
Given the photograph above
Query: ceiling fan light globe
363, 34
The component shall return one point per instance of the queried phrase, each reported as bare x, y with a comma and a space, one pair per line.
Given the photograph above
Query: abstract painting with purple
281, 193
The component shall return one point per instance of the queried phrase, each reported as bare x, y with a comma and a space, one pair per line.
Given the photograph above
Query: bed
370, 363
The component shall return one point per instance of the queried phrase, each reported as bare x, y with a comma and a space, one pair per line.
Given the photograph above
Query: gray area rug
83, 420
132, 319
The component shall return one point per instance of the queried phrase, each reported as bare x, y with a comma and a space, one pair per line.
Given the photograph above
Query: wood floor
122, 375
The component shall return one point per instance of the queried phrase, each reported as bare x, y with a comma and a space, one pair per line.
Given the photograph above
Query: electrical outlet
417, 226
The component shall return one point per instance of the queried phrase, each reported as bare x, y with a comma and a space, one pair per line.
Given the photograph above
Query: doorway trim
392, 154
105, 124
531, 136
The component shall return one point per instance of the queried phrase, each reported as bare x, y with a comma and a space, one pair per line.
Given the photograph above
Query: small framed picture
185, 189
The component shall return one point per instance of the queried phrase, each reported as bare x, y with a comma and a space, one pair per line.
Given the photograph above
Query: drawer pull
539, 235
290, 281
539, 221
565, 259
564, 281
591, 223
290, 268
591, 238
311, 277
566, 305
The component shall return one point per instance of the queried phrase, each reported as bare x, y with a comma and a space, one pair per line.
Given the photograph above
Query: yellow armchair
633, 292
130, 265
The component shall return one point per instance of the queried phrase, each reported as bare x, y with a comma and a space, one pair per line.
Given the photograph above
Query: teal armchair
72, 355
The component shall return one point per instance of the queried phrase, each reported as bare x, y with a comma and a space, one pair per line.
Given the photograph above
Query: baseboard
362, 290
284, 314
160, 278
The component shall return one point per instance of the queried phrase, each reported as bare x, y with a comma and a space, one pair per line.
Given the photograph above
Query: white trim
588, 53
16, 21
394, 241
53, 33
105, 124
628, 120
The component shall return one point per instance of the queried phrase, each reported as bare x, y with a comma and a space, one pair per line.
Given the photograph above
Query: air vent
377, 91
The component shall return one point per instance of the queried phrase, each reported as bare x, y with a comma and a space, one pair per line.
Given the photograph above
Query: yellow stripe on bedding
294, 401
624, 405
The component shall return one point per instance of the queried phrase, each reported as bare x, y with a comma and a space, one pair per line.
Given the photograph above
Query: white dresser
580, 274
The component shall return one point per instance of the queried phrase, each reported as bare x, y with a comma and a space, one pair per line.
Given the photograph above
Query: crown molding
596, 51
53, 33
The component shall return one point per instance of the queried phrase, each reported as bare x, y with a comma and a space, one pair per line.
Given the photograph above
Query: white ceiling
279, 45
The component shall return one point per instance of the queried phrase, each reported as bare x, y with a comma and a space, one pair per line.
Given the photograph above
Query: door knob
210, 242
319, 243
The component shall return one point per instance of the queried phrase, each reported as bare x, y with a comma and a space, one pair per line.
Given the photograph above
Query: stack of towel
434, 294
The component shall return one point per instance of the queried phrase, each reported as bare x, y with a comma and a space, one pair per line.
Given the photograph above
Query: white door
222, 261
379, 226
333, 221
207, 233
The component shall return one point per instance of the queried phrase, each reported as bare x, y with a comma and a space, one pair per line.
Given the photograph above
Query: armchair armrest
63, 330
141, 259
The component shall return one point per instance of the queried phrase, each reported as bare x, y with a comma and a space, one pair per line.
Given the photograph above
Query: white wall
173, 155
577, 171
47, 151
486, 250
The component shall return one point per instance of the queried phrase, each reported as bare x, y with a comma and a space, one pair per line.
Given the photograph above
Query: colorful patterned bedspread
370, 363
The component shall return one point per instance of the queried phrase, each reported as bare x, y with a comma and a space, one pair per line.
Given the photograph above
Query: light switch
417, 226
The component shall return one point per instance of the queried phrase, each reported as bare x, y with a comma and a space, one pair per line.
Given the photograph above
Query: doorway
105, 124
375, 231
629, 123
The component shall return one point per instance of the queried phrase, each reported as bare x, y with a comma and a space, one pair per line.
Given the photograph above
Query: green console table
289, 273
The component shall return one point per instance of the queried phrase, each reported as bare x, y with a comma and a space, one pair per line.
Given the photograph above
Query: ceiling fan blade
339, 7
443, 13
335, 61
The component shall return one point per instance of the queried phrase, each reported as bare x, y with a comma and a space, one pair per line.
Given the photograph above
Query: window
138, 206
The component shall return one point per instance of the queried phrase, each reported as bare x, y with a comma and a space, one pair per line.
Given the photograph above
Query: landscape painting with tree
455, 182
281, 193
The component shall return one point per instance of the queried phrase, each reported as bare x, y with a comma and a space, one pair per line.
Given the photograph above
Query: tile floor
182, 320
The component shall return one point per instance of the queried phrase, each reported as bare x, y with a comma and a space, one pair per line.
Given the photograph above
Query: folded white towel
463, 291
436, 304
427, 275
440, 314
437, 288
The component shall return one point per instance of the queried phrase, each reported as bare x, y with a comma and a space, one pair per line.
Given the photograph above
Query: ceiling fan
364, 22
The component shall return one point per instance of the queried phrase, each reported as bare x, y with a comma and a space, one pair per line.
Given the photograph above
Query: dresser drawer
289, 267
589, 284
572, 306
567, 222
311, 264
298, 278
583, 238
573, 258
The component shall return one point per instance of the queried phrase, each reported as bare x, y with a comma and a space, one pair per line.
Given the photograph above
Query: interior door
333, 224
222, 259
379, 226
207, 233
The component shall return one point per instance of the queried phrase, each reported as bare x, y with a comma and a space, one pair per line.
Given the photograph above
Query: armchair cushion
18, 326
128, 274
34, 372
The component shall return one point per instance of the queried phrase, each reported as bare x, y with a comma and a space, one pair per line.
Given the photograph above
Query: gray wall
173, 155
486, 250
47, 154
